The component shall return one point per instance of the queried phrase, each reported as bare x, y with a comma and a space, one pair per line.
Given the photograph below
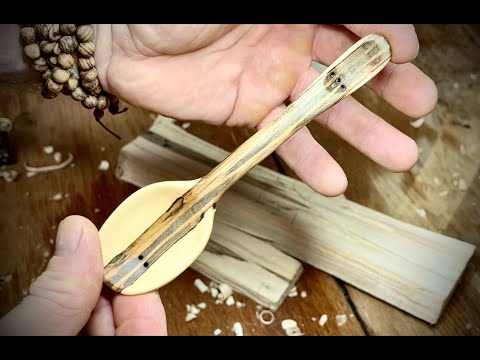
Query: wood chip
240, 304
230, 301
323, 320
422, 213
303, 294
48, 149
217, 332
417, 123
225, 291
104, 165
237, 329
200, 285
288, 323
190, 316
186, 125
57, 197
49, 167
341, 319
9, 175
202, 305
57, 156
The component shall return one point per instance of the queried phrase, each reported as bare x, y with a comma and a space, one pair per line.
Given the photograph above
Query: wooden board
407, 266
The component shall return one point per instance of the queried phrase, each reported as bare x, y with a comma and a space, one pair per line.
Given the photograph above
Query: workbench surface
449, 142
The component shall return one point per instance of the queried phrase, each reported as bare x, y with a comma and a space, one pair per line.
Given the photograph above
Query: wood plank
399, 257
449, 55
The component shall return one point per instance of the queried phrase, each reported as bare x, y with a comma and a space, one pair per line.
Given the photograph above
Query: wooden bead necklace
64, 55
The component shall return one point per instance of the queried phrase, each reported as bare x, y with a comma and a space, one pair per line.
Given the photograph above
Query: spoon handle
351, 70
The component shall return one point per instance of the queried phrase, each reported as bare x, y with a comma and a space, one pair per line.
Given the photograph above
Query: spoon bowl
135, 214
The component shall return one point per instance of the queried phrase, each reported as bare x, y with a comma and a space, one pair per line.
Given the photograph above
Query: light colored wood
356, 66
407, 266
247, 278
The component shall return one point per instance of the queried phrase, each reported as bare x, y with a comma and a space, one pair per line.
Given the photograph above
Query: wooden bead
86, 63
102, 102
54, 32
85, 33
28, 35
60, 76
56, 49
79, 94
46, 48
68, 29
68, 44
40, 64
96, 91
72, 83
32, 51
47, 74
47, 94
90, 102
90, 85
65, 61
53, 86
52, 61
42, 30
86, 49
89, 75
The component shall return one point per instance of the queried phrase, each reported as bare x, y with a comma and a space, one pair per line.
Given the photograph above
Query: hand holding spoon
158, 231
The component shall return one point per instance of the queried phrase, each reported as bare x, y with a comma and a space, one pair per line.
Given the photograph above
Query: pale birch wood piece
356, 66
409, 267
247, 278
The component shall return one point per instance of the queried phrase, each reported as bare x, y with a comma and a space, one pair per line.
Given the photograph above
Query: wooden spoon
158, 231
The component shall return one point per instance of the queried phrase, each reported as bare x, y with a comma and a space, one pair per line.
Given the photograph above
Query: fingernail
68, 238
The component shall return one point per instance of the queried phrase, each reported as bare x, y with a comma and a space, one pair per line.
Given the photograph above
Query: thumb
62, 298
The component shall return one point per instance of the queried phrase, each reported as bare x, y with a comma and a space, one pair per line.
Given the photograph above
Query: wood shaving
104, 165
217, 332
266, 317
341, 319
323, 320
57, 157
48, 149
49, 167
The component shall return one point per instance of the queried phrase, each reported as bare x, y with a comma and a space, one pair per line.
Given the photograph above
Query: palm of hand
242, 75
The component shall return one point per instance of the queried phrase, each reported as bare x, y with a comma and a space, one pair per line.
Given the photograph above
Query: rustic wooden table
450, 149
